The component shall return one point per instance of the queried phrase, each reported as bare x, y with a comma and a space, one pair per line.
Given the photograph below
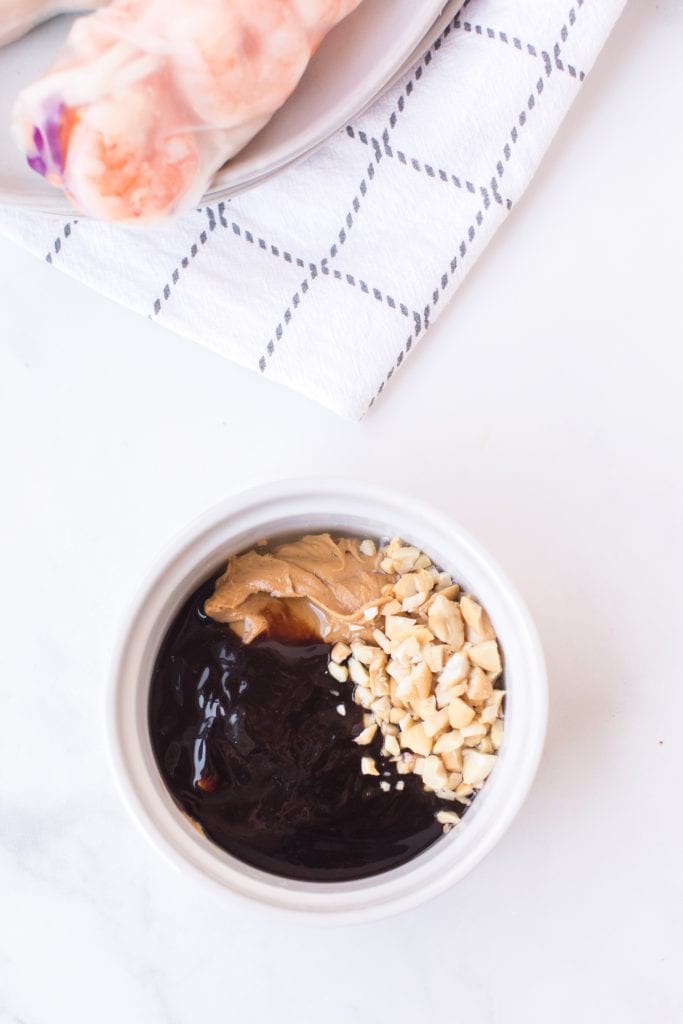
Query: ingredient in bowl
316, 579
422, 657
428, 679
327, 707
251, 745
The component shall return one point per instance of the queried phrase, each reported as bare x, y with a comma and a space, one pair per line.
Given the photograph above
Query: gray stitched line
418, 72
518, 44
443, 284
313, 268
463, 248
531, 102
334, 248
252, 239
368, 289
195, 249
279, 330
425, 168
564, 33
570, 67
342, 235
59, 241
349, 221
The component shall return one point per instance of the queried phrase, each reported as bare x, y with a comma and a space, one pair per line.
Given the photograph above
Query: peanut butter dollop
312, 587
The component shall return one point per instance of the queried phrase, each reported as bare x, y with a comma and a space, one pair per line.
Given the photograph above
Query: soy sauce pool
251, 745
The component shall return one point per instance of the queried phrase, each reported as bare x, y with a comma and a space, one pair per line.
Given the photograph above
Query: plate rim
56, 204
448, 10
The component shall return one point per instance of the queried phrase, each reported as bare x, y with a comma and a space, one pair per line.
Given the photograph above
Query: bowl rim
329, 903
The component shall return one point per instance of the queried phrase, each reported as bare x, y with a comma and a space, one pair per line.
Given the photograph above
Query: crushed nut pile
426, 680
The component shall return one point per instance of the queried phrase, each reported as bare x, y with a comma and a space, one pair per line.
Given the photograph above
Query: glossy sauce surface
251, 746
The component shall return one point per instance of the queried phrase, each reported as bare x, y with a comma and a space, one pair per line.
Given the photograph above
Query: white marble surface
555, 437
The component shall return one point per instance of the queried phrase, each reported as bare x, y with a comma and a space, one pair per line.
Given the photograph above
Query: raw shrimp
150, 97
18, 16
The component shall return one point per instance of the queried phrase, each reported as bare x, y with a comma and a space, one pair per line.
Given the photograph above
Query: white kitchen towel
326, 277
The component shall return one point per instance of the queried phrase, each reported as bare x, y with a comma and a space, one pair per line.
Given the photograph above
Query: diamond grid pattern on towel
325, 277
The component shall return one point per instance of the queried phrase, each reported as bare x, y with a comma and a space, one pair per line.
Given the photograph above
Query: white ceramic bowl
344, 506
354, 64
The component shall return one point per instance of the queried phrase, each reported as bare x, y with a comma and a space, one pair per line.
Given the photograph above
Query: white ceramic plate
352, 67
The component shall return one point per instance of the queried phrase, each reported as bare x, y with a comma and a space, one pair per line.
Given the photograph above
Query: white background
555, 437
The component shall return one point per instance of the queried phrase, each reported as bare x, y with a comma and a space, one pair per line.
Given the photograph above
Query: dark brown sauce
250, 745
